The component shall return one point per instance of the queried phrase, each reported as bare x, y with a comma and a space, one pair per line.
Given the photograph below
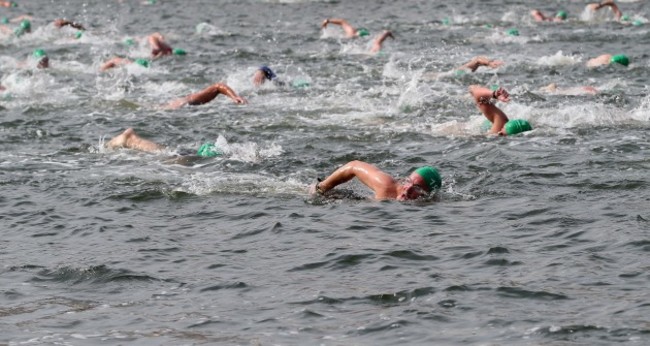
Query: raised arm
483, 99
479, 61
158, 45
380, 182
611, 4
379, 41
350, 31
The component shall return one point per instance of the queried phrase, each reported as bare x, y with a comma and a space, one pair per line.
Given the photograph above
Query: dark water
536, 239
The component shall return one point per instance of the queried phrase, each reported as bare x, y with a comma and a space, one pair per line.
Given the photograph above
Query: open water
537, 239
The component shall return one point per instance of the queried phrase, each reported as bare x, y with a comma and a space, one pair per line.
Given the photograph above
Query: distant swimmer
117, 61
61, 22
607, 59
606, 3
540, 17
379, 41
206, 95
479, 61
420, 183
8, 4
350, 31
501, 125
263, 74
25, 27
42, 60
129, 139
159, 47
579, 90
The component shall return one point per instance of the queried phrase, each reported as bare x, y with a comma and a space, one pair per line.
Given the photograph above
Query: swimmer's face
44, 62
414, 187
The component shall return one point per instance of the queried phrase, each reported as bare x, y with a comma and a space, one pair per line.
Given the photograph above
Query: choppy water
537, 239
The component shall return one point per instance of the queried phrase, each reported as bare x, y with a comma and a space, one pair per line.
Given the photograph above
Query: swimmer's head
129, 41
208, 150
179, 51
268, 73
431, 177
4, 20
41, 57
625, 18
39, 53
361, 32
78, 34
142, 62
26, 25
620, 59
512, 32
516, 126
561, 15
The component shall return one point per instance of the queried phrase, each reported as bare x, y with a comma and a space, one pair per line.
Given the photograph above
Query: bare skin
540, 17
158, 45
553, 89
479, 61
114, 62
483, 99
130, 140
604, 59
350, 31
59, 23
607, 3
259, 78
206, 95
384, 185
379, 41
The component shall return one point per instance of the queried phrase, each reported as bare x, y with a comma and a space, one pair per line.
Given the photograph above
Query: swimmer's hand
239, 100
501, 94
325, 22
314, 189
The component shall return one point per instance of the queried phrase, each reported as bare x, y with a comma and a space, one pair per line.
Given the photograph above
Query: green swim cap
208, 150
637, 22
516, 126
489, 26
179, 51
459, 73
25, 24
446, 21
625, 18
4, 20
142, 62
562, 15
431, 177
129, 41
512, 32
300, 83
363, 32
620, 59
78, 34
13, 4
39, 53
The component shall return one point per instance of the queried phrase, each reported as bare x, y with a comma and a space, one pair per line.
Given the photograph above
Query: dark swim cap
516, 126
562, 15
620, 59
268, 73
430, 176
208, 150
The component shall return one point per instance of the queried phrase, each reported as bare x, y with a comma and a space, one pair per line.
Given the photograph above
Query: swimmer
606, 3
580, 90
59, 23
350, 31
131, 140
161, 48
206, 95
8, 4
117, 61
379, 41
420, 183
607, 59
479, 61
43, 61
483, 99
263, 74
540, 17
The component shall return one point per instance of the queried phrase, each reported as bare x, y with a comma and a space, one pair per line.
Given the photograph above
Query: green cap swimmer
561, 15
142, 62
25, 27
39, 53
516, 126
620, 59
430, 176
78, 34
512, 32
4, 20
208, 150
361, 32
179, 51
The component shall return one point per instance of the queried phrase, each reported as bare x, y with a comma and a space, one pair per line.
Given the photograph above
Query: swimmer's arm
369, 175
21, 18
63, 22
208, 94
479, 61
349, 29
226, 90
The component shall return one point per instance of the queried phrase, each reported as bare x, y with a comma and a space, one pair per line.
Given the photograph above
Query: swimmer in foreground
379, 41
606, 3
607, 59
420, 183
117, 61
501, 125
350, 31
206, 95
540, 17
